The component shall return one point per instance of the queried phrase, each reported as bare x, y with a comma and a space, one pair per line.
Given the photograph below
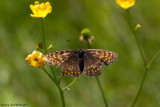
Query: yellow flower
40, 10
125, 4
36, 59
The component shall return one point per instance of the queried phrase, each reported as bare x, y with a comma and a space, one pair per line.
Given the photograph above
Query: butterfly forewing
104, 56
58, 57
92, 66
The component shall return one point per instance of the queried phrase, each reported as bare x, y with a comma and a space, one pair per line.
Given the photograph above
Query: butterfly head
80, 52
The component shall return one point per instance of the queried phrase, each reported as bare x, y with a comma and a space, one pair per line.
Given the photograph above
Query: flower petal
40, 10
125, 4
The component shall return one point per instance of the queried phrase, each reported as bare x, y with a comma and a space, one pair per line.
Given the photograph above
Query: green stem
53, 73
100, 87
49, 75
89, 46
140, 88
70, 84
146, 69
58, 86
139, 48
43, 37
99, 84
135, 36
144, 76
153, 58
142, 55
62, 97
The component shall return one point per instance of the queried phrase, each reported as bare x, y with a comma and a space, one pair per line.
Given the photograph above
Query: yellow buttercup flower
125, 4
40, 10
36, 59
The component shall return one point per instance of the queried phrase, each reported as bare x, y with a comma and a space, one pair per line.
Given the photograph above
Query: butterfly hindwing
92, 67
71, 66
104, 56
58, 57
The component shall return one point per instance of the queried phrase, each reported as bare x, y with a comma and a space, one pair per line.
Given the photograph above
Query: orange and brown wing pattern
71, 66
104, 56
59, 57
92, 66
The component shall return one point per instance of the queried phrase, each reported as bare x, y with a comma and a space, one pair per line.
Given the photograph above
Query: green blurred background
23, 84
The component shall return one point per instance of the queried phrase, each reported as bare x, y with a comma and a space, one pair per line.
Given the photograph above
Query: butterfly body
75, 62
80, 53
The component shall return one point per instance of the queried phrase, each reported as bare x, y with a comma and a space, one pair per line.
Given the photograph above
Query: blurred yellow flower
40, 10
36, 59
125, 4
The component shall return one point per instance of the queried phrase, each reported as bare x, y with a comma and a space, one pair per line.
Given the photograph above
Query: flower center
35, 59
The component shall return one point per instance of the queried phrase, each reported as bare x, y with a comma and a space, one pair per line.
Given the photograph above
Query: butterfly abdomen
81, 60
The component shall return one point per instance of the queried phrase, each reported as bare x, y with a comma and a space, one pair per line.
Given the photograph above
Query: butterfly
75, 62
